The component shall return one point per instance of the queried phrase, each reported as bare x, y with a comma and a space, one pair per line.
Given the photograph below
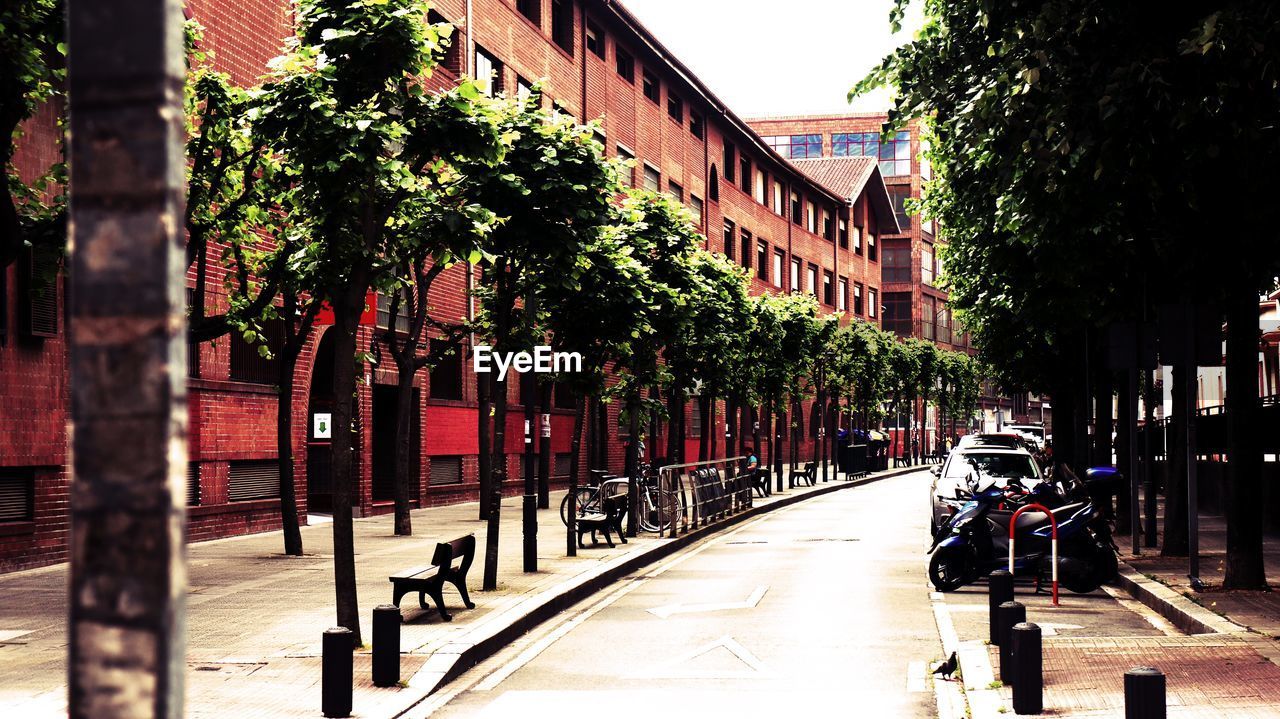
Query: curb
1186, 615
491, 637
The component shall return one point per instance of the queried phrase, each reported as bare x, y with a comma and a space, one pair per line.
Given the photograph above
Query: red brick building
797, 228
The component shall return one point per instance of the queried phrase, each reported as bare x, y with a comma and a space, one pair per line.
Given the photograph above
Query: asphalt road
822, 608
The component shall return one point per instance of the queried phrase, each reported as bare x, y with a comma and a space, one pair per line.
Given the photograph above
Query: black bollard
1144, 696
336, 672
386, 645
1000, 590
1009, 614
1028, 668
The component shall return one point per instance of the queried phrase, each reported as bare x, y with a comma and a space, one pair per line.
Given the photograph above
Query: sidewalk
1217, 649
255, 616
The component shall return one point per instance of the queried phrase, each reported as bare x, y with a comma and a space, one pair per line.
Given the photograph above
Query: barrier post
336, 672
1053, 542
1144, 693
1010, 614
386, 645
1028, 668
1000, 590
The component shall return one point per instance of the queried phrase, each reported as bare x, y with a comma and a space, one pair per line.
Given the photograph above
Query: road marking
672, 670
1051, 630
916, 678
750, 602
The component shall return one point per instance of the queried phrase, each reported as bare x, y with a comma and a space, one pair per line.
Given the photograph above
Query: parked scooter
975, 541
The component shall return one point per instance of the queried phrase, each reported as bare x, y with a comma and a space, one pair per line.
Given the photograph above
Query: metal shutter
446, 470
16, 492
193, 484
41, 316
258, 479
562, 464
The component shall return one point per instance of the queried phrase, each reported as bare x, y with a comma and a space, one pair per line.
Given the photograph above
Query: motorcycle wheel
947, 570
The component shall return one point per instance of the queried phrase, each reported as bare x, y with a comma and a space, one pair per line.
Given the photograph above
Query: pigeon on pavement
948, 667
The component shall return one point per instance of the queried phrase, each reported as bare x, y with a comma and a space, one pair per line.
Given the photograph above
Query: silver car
949, 489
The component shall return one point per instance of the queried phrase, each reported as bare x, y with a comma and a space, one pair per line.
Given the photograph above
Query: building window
828, 289
927, 268
595, 40
897, 313
811, 217
778, 258
652, 90
897, 262
652, 178
857, 298
675, 107
695, 204
762, 260
796, 147
452, 60
928, 313
779, 206
873, 303
730, 232
730, 162
445, 470
871, 248
894, 154
531, 9
796, 216
248, 364
383, 320
943, 320
38, 308
857, 239
488, 72
524, 89
761, 187
695, 125
713, 185
811, 278
626, 66
446, 376
898, 195
562, 24
842, 295
828, 226
675, 190
17, 495
254, 479
628, 158
744, 166
747, 246
795, 273
844, 235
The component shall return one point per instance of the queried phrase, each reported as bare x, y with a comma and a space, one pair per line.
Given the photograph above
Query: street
823, 606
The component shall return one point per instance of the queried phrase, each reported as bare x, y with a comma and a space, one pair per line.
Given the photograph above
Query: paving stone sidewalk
255, 616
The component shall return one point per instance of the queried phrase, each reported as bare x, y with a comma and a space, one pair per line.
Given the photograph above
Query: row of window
897, 263
739, 245
757, 184
894, 154
37, 307
561, 20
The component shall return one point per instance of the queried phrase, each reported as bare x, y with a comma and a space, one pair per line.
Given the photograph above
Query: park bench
449, 564
902, 460
612, 510
808, 475
760, 482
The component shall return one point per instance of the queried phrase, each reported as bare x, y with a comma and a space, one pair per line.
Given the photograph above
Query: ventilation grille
259, 479
563, 460
446, 470
193, 484
16, 495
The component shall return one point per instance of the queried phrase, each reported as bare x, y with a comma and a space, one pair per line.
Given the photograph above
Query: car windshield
992, 464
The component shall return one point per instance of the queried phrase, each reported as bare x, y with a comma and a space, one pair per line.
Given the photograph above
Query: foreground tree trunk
544, 448
704, 417
484, 393
295, 339
1245, 568
405, 475
1175, 487
633, 459
499, 476
1124, 441
347, 312
575, 479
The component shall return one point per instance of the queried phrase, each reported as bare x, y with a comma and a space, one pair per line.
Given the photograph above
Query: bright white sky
764, 57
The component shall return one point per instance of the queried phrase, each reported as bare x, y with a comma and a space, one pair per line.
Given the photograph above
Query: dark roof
851, 176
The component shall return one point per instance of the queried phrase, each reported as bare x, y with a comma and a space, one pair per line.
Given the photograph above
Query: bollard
1144, 696
336, 672
386, 645
1028, 668
1009, 614
1000, 590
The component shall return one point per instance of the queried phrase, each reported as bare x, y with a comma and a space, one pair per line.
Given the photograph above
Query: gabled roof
850, 177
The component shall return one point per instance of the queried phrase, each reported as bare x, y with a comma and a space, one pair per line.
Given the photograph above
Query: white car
949, 489
1033, 431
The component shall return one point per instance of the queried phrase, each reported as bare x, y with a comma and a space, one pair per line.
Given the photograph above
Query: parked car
1034, 431
949, 491
1011, 440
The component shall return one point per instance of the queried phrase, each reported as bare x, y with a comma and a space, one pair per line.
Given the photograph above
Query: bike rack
669, 477
1053, 543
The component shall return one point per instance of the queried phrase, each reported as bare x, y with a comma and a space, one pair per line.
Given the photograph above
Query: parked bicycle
658, 507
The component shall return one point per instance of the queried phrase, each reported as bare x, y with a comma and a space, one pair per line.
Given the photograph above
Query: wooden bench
760, 482
449, 564
902, 460
612, 511
808, 475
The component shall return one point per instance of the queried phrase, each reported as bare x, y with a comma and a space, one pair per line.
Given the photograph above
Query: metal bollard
1009, 614
1144, 695
386, 645
1028, 669
1000, 590
336, 673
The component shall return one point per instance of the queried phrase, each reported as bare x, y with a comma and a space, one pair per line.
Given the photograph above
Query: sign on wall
322, 425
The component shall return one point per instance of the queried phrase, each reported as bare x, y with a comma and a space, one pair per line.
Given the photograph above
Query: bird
947, 668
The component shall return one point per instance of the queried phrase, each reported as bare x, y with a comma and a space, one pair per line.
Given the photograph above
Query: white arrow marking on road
668, 610
673, 669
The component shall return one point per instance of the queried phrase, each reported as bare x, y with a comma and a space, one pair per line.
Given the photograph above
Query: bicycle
658, 508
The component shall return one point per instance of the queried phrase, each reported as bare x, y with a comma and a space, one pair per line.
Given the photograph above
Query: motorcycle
975, 540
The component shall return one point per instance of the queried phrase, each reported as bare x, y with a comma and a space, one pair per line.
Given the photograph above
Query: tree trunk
544, 449
1124, 441
575, 465
484, 392
499, 474
704, 416
1148, 459
709, 429
284, 452
405, 476
633, 458
1245, 568
1064, 421
674, 417
1175, 488
346, 319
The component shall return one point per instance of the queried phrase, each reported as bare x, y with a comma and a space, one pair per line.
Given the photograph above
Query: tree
366, 143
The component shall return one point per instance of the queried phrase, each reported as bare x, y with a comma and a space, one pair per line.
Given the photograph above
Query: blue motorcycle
975, 541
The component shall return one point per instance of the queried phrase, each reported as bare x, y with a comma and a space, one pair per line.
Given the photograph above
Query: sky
764, 57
